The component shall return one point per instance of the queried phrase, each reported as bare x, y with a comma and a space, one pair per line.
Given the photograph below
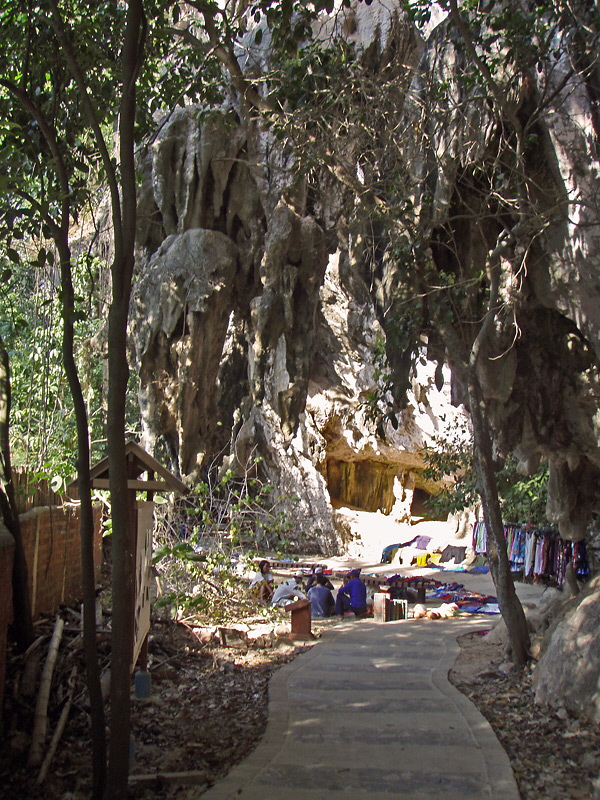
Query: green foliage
244, 511
523, 498
52, 180
203, 542
43, 432
39, 94
377, 403
42, 426
449, 463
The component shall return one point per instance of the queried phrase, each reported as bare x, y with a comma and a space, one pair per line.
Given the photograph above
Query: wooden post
300, 620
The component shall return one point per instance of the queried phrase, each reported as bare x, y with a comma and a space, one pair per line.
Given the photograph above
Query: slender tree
23, 623
55, 213
121, 179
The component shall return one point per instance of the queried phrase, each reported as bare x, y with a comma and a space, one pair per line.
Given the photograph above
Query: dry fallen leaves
208, 709
554, 756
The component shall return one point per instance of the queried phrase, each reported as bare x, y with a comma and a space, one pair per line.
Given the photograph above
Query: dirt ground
554, 756
208, 709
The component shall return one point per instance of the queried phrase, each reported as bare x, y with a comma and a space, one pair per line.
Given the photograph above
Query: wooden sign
143, 574
158, 479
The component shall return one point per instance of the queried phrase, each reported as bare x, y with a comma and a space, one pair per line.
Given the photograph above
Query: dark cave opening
366, 485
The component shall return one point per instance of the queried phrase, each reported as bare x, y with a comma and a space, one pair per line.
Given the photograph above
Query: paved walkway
368, 712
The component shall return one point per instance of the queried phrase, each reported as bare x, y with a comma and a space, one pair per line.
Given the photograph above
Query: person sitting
352, 596
323, 604
263, 582
287, 592
312, 579
299, 578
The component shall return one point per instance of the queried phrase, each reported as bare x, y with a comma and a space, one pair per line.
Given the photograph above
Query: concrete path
368, 712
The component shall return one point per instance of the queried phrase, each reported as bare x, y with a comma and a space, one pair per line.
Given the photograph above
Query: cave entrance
421, 507
366, 485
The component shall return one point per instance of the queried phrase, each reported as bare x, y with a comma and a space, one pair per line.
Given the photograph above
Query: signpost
141, 513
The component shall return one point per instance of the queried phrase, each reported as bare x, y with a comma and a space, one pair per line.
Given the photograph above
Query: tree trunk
86, 525
508, 601
124, 222
122, 562
22, 612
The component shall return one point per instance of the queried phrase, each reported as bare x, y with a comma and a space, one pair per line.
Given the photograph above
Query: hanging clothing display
538, 553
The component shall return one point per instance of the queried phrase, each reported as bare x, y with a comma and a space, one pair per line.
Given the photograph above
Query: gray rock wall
539, 372
257, 318
568, 672
255, 336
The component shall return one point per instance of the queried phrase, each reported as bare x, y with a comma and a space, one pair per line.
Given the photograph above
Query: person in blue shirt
323, 604
352, 596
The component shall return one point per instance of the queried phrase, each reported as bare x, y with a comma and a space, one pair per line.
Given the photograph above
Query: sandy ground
375, 531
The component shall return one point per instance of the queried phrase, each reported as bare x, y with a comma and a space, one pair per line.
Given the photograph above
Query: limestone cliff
258, 316
540, 371
256, 337
265, 295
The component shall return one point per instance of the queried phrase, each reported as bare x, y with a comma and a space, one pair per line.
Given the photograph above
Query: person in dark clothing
352, 596
323, 604
312, 579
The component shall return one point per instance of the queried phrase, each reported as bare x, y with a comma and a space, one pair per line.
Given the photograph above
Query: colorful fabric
539, 553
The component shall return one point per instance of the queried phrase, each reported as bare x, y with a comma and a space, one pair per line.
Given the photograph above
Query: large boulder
568, 672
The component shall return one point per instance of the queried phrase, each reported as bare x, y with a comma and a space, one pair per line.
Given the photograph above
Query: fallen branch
193, 777
33, 646
40, 723
58, 731
158, 664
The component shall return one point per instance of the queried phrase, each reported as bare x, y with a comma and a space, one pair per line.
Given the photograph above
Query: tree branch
505, 240
58, 26
51, 139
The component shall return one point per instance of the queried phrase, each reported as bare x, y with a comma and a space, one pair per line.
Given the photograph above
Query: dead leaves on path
554, 756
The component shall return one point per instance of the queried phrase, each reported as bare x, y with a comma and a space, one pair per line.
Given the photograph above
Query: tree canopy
442, 190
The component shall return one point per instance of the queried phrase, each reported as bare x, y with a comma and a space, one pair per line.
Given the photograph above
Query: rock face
259, 319
542, 392
568, 672
253, 340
